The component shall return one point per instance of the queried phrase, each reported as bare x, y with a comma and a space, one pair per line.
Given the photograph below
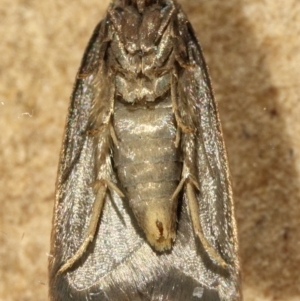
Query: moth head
141, 4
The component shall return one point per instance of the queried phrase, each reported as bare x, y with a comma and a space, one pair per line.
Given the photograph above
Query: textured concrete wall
253, 52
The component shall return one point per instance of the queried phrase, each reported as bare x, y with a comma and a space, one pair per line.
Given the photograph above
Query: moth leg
179, 44
194, 211
177, 139
112, 186
113, 135
101, 189
191, 184
180, 123
182, 63
181, 184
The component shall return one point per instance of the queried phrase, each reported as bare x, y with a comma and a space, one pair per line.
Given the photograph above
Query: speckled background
252, 48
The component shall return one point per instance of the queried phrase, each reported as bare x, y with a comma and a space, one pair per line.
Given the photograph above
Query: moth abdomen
149, 167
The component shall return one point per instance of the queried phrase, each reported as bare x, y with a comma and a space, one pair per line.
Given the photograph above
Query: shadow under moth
144, 206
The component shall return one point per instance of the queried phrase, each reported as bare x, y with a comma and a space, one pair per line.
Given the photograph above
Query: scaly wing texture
82, 163
208, 156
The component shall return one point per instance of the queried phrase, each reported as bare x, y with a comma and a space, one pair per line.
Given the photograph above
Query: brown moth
144, 207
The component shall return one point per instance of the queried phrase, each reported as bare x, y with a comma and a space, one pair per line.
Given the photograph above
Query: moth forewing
144, 206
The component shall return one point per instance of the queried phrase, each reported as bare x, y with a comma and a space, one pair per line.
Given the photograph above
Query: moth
144, 207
